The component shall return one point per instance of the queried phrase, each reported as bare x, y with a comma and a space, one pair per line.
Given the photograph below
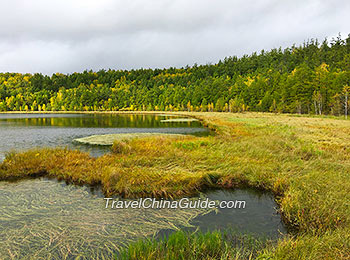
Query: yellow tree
189, 106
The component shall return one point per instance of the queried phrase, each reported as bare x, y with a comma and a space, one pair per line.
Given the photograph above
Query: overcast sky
65, 36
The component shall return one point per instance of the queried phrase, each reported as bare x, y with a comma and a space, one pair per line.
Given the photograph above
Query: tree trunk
315, 107
346, 106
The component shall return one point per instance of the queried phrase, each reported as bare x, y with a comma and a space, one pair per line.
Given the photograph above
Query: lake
24, 131
47, 219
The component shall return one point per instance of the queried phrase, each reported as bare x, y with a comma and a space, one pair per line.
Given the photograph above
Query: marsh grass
192, 246
332, 244
303, 161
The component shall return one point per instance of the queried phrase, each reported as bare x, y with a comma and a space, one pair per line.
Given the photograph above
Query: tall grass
182, 245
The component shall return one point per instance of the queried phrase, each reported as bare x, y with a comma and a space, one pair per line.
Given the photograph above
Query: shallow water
46, 219
259, 217
25, 131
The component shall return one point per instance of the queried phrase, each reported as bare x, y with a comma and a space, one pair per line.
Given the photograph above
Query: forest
311, 78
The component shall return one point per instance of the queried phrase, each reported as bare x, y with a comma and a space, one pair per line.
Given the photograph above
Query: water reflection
91, 120
24, 131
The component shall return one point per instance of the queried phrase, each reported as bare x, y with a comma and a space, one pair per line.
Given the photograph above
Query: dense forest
311, 78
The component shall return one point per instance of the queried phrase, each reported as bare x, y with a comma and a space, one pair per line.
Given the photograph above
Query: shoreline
182, 113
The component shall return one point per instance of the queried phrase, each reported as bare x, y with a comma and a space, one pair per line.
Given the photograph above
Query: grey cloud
67, 36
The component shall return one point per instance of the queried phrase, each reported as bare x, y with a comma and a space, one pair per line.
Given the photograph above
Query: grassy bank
304, 161
193, 246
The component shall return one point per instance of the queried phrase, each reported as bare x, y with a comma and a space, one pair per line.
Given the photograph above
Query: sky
49, 36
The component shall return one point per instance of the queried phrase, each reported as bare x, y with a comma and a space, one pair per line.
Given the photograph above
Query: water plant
46, 219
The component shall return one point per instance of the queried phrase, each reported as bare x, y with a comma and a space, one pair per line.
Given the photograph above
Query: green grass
183, 245
304, 161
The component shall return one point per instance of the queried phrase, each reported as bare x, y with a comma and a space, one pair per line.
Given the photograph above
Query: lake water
259, 217
24, 131
46, 219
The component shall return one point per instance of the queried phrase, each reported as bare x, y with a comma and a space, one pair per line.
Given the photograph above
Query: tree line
311, 78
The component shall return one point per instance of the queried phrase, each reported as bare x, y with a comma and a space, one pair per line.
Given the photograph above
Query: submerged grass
45, 219
304, 161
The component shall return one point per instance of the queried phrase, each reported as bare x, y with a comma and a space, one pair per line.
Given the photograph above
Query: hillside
312, 78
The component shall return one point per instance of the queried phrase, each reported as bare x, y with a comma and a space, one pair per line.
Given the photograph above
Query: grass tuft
193, 246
